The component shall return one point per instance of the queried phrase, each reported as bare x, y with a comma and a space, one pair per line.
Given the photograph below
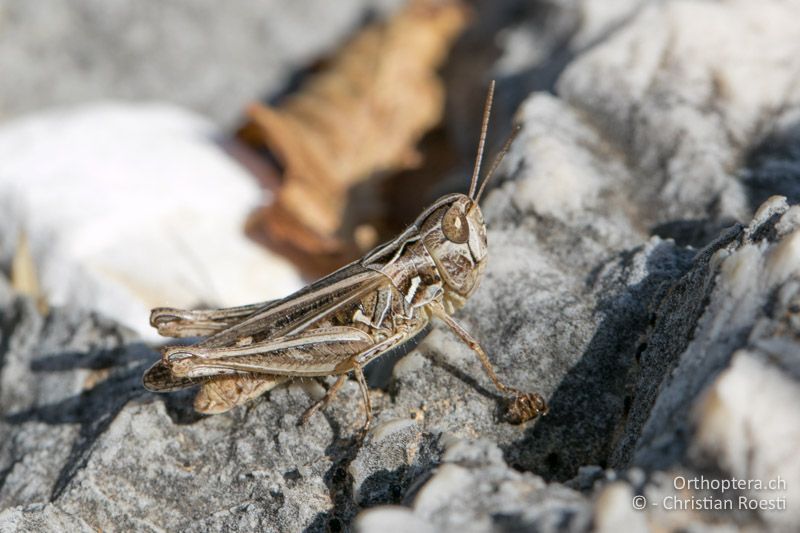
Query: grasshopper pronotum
340, 323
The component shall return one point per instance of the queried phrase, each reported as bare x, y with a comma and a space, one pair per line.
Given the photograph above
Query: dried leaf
360, 115
24, 277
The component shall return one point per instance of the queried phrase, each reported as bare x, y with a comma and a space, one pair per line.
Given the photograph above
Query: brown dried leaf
24, 275
360, 115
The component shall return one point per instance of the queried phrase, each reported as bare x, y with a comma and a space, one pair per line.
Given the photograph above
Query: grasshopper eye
455, 225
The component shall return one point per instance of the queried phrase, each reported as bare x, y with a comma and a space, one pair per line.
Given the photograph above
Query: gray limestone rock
643, 277
189, 52
40, 517
474, 490
712, 391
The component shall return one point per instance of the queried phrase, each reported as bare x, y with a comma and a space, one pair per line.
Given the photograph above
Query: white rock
131, 207
391, 519
683, 87
748, 421
614, 510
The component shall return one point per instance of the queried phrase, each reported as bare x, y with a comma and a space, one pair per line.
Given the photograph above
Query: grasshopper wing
172, 322
293, 314
159, 378
316, 352
258, 322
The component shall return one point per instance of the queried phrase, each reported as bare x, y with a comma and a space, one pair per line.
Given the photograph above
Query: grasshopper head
455, 236
453, 229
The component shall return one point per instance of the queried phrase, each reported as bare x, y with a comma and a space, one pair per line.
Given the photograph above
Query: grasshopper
345, 320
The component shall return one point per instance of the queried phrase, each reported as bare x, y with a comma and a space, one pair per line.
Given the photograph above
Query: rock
392, 519
64, 379
739, 290
614, 510
643, 276
688, 102
474, 490
189, 53
156, 221
395, 454
40, 517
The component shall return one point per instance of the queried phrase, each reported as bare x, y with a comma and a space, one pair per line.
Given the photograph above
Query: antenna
498, 159
487, 110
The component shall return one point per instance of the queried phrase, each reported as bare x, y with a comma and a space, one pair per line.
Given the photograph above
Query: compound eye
455, 225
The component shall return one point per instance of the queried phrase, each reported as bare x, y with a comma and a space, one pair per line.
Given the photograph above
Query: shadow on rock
773, 167
589, 407
696, 233
118, 381
94, 409
381, 470
339, 483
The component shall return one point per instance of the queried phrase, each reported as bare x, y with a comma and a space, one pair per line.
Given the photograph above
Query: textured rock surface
642, 277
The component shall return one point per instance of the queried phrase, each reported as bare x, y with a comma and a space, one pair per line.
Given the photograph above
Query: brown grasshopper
340, 323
